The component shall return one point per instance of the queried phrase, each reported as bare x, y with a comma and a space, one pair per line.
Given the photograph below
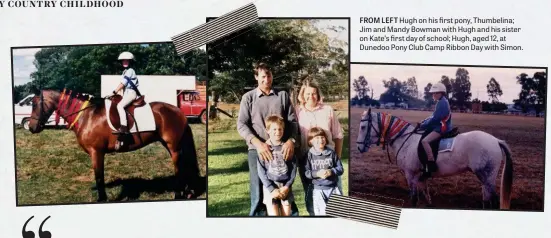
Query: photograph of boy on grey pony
473, 138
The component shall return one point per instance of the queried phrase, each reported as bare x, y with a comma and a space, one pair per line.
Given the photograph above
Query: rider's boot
120, 140
430, 167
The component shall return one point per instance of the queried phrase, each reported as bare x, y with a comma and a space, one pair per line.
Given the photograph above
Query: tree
411, 87
427, 96
533, 91
364, 94
448, 83
395, 91
79, 68
461, 88
354, 101
492, 106
540, 79
360, 86
494, 90
295, 49
20, 91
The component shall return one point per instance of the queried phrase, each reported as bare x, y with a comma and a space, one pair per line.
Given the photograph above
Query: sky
479, 78
23, 65
343, 35
23, 58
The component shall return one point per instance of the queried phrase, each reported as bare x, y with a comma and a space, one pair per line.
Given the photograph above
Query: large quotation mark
41, 233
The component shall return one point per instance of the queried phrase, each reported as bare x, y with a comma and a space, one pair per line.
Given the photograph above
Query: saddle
433, 145
114, 115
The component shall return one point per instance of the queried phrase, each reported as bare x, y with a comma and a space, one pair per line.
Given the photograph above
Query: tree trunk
213, 113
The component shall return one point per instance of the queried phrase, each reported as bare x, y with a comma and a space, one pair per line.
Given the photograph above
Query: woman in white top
311, 112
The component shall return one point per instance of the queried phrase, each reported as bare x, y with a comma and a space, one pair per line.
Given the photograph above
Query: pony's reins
387, 125
85, 106
42, 121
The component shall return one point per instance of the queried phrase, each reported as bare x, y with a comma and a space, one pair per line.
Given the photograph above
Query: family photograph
278, 118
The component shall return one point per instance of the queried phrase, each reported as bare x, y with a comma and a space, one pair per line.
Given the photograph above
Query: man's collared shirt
256, 106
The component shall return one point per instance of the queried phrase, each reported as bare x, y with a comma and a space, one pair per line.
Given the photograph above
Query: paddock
372, 176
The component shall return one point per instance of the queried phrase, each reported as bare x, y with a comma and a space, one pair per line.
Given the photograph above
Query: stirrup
430, 167
119, 144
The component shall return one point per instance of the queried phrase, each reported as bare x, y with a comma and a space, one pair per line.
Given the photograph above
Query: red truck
192, 105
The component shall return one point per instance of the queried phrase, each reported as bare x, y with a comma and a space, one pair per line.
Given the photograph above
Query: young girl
438, 123
312, 112
129, 83
324, 167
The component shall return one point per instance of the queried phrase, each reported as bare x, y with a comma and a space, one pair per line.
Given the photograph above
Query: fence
541, 114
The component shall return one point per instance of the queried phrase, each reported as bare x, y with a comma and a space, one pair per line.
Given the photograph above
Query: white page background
148, 21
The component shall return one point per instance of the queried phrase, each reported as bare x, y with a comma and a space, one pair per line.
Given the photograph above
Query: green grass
53, 169
228, 170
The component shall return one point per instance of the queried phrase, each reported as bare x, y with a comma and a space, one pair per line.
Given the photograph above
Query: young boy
324, 167
277, 175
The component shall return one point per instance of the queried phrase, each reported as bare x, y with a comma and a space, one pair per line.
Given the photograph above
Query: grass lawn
53, 169
228, 169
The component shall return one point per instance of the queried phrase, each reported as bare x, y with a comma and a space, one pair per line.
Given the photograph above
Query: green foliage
360, 86
411, 88
363, 93
533, 94
429, 101
461, 89
492, 106
80, 67
294, 49
395, 91
448, 83
494, 90
20, 91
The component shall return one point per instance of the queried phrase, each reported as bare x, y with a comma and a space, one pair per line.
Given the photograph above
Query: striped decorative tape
216, 29
364, 211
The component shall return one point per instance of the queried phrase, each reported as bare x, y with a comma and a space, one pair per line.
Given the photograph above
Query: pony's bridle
380, 137
367, 139
41, 119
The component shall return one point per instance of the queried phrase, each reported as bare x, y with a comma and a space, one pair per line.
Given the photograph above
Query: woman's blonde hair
308, 83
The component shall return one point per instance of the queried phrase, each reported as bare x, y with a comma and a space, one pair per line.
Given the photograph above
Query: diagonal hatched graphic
364, 211
216, 29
